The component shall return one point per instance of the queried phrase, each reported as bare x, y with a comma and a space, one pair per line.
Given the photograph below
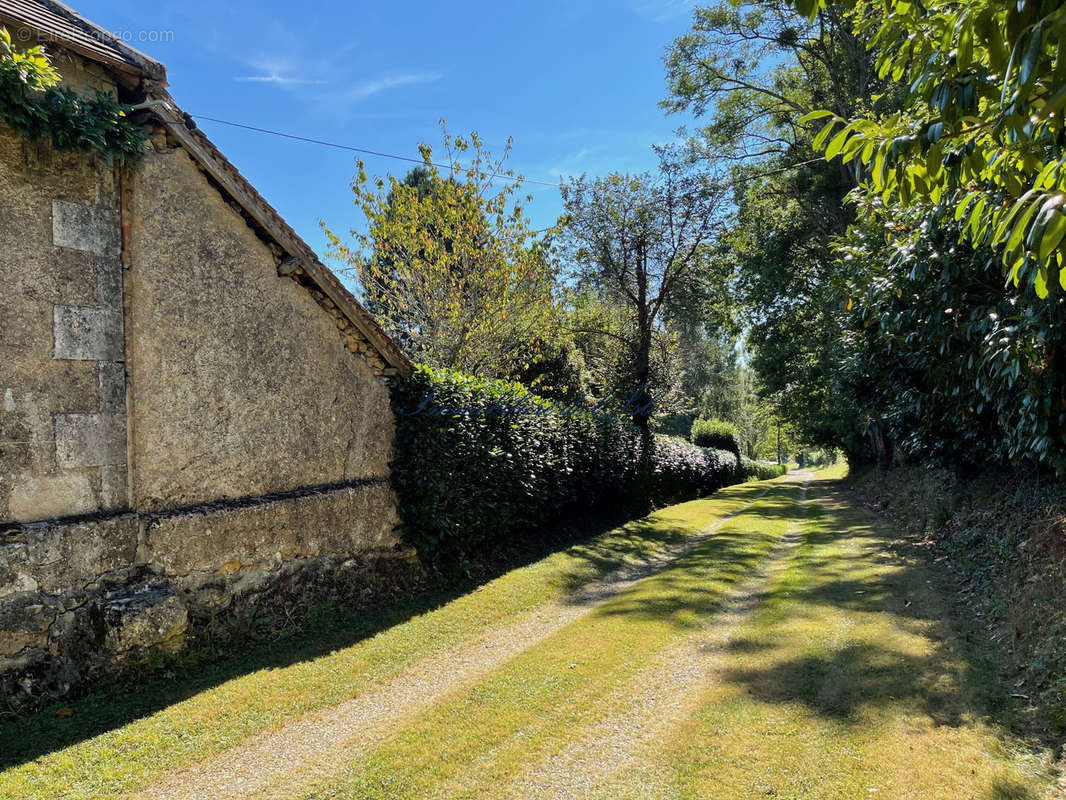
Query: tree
449, 265
983, 134
636, 241
749, 71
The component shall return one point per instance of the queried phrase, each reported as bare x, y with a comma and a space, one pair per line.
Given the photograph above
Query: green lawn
837, 676
137, 753
846, 683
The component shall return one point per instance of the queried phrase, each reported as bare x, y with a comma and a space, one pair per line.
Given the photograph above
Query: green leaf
1054, 230
815, 115
964, 52
836, 144
1040, 283
1033, 50
1019, 229
823, 134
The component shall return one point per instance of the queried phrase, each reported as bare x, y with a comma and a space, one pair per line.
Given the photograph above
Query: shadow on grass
854, 677
1008, 789
145, 690
642, 543
695, 582
692, 582
886, 575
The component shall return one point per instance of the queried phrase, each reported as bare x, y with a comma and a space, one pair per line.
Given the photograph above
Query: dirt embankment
1002, 538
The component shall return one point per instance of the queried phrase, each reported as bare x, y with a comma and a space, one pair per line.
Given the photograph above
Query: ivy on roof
33, 103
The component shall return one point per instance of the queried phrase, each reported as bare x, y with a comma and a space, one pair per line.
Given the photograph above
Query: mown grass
483, 737
136, 754
846, 683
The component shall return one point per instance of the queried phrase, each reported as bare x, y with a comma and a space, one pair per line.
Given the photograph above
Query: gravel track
323, 741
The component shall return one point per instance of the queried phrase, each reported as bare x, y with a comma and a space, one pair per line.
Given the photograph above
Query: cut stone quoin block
114, 486
47, 496
112, 386
90, 440
93, 229
109, 283
87, 334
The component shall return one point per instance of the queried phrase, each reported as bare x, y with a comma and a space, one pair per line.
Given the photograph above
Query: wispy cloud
570, 165
361, 91
348, 92
279, 80
280, 73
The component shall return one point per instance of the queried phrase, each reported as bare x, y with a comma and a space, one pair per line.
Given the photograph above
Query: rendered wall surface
243, 385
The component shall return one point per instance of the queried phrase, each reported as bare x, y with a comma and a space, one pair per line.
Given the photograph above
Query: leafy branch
34, 105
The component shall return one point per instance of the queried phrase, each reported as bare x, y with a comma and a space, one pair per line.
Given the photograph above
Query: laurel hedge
716, 433
479, 461
760, 470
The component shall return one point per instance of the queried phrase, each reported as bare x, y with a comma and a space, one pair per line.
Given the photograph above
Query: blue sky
575, 82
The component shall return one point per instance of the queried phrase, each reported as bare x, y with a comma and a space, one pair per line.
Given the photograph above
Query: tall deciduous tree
637, 241
749, 71
449, 264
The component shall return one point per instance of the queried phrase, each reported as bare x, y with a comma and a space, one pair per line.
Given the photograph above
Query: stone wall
252, 393
62, 420
184, 435
81, 599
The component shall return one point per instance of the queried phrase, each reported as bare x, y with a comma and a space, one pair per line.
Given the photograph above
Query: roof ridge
66, 24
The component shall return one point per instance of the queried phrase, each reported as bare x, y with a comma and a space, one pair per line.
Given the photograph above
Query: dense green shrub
938, 362
717, 434
682, 470
34, 105
478, 461
760, 470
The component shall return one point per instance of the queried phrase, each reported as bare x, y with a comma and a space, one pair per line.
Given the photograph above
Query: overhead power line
353, 149
410, 160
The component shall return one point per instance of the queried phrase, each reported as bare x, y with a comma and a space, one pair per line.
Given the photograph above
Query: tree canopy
982, 133
449, 264
857, 245
637, 242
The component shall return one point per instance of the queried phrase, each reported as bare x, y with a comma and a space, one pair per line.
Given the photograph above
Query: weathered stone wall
62, 417
242, 384
80, 599
183, 432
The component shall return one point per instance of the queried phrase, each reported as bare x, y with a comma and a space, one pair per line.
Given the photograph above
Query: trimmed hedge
478, 461
717, 434
760, 470
682, 470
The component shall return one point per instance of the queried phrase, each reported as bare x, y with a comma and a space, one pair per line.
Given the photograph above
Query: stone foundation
84, 599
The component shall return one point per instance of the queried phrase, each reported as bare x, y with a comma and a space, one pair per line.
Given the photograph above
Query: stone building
194, 415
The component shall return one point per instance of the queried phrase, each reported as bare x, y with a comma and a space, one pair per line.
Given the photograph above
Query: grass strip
214, 720
536, 703
845, 684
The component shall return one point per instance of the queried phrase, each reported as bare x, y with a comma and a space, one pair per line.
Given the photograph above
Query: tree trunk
642, 376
